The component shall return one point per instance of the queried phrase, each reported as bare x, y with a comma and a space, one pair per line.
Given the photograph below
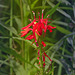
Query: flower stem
41, 68
11, 40
41, 63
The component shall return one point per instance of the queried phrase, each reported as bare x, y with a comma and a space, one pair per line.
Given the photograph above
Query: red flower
37, 27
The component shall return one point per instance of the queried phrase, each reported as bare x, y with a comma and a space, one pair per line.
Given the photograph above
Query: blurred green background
18, 56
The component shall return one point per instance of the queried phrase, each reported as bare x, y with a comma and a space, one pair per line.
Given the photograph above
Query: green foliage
19, 56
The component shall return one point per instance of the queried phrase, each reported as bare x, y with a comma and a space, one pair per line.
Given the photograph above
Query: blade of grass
15, 54
3, 6
60, 66
56, 46
61, 11
60, 23
62, 30
34, 3
11, 29
52, 10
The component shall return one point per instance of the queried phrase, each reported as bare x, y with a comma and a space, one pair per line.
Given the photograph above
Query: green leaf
19, 23
14, 53
42, 7
56, 46
18, 68
65, 1
61, 11
17, 2
57, 61
60, 23
52, 10
67, 8
34, 3
4, 62
3, 6
74, 9
27, 41
12, 29
62, 30
66, 66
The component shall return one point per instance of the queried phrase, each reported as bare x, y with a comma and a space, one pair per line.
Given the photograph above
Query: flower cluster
38, 27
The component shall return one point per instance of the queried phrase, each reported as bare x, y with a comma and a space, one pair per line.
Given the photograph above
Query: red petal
38, 58
45, 28
49, 29
42, 25
43, 44
43, 58
39, 52
29, 37
25, 32
37, 44
28, 25
43, 64
47, 56
39, 62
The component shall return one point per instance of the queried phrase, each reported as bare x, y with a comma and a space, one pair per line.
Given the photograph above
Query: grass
18, 55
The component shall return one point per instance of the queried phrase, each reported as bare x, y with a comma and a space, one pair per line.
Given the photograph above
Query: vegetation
19, 56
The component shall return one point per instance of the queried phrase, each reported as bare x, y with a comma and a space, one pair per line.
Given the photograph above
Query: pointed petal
42, 25
47, 56
29, 37
43, 64
39, 52
43, 44
43, 58
28, 25
52, 27
38, 58
25, 32
49, 28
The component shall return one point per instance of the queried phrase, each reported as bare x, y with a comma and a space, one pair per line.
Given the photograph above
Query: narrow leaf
52, 10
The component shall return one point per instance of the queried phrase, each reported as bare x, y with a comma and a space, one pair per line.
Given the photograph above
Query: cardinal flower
38, 27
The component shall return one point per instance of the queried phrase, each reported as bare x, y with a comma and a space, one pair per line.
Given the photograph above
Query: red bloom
37, 27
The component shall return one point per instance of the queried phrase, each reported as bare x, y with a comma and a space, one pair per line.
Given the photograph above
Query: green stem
21, 10
41, 71
11, 24
41, 61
